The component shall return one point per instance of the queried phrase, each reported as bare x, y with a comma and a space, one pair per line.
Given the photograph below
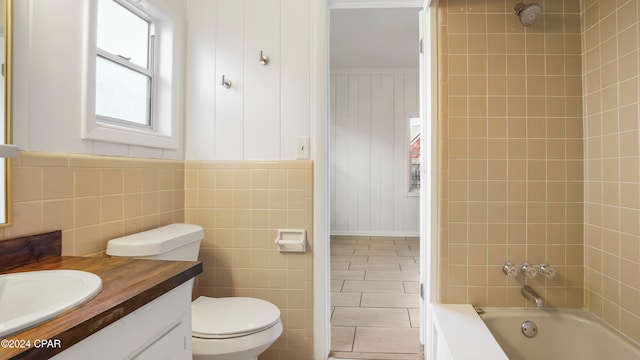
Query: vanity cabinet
266, 106
160, 329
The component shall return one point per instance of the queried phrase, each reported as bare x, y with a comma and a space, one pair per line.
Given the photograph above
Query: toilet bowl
233, 328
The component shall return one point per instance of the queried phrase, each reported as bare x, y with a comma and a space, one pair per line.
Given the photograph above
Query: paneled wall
49, 98
369, 139
267, 108
512, 157
612, 161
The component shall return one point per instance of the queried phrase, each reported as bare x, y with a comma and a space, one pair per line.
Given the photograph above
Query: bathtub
561, 334
459, 333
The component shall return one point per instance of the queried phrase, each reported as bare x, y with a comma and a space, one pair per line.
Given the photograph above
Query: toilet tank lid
155, 241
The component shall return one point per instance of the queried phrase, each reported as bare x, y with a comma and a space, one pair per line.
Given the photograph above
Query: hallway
374, 298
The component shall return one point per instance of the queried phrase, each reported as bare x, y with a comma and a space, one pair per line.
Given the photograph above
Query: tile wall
612, 176
92, 198
241, 205
512, 150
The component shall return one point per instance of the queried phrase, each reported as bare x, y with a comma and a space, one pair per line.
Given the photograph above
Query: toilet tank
171, 242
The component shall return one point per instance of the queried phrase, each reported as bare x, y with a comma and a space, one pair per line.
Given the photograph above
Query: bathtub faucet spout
530, 294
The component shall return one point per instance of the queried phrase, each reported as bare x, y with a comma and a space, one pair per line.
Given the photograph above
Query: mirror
5, 104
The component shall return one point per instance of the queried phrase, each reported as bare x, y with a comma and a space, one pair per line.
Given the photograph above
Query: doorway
374, 203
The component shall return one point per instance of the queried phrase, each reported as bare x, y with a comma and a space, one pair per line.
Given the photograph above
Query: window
132, 83
415, 130
124, 65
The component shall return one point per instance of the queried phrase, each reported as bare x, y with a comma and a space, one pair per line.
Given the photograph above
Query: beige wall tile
241, 211
93, 196
512, 170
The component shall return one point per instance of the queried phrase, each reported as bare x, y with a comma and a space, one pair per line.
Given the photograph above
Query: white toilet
234, 328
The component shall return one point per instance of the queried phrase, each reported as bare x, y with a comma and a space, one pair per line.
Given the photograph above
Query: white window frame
407, 172
166, 86
148, 71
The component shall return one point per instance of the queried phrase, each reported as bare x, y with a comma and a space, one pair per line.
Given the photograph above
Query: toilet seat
223, 318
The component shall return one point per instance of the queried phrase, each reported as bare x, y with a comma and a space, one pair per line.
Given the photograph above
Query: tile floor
374, 298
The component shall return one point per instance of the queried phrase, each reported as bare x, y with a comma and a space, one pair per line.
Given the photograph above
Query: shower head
528, 13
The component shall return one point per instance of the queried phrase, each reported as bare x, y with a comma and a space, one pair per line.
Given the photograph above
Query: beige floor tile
343, 252
372, 286
414, 317
379, 267
349, 246
377, 252
352, 240
376, 356
340, 265
387, 238
342, 241
349, 274
409, 240
392, 275
415, 253
336, 285
390, 300
387, 340
351, 259
349, 316
411, 287
410, 267
346, 299
342, 338
389, 245
392, 259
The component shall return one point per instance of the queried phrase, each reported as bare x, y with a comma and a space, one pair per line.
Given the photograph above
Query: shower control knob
528, 270
547, 270
509, 269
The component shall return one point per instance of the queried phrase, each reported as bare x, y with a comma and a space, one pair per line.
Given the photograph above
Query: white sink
31, 298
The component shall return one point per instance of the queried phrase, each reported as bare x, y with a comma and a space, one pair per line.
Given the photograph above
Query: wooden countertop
127, 284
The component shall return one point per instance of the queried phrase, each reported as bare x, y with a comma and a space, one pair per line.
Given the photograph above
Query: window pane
123, 33
415, 128
122, 93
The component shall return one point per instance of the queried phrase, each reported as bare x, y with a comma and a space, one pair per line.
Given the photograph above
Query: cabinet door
174, 344
262, 125
228, 133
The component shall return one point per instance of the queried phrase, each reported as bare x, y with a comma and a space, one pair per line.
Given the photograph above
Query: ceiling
374, 38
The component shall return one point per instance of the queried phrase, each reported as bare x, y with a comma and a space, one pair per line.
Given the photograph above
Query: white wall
48, 70
267, 107
369, 153
260, 118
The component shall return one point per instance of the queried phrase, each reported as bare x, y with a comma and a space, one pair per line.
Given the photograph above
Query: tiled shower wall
512, 150
92, 199
241, 205
612, 180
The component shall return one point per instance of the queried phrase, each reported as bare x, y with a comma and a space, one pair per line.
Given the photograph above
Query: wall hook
225, 83
264, 60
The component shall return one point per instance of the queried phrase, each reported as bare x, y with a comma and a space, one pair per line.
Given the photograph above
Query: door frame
429, 195
320, 77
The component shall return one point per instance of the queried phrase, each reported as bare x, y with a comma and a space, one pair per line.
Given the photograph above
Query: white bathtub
459, 333
561, 334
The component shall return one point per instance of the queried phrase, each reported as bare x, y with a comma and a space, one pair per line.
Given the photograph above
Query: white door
428, 176
423, 173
